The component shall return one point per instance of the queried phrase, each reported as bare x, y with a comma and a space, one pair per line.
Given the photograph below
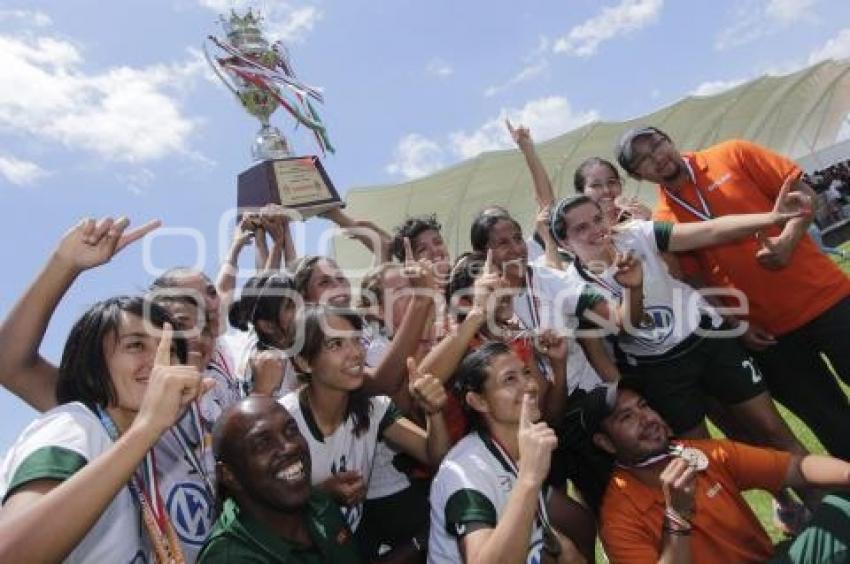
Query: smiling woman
341, 423
73, 469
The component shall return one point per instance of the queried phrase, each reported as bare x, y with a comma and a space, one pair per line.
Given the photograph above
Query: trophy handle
218, 72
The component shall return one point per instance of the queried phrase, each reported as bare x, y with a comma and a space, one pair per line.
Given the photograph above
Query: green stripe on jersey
391, 415
588, 298
468, 506
663, 230
46, 463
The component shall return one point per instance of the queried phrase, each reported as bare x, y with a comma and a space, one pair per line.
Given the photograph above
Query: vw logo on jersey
139, 558
191, 512
656, 325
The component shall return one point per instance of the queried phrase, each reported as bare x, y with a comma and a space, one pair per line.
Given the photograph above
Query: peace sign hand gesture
92, 243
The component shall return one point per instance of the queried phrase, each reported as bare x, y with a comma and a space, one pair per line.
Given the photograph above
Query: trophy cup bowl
260, 75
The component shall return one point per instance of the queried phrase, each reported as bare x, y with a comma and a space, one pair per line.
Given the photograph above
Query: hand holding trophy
260, 74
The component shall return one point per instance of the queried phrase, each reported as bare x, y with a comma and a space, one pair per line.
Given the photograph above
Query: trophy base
298, 183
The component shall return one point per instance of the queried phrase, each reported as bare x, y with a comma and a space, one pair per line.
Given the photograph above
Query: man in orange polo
799, 300
680, 501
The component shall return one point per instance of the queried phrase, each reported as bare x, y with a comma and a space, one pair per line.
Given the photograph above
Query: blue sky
109, 108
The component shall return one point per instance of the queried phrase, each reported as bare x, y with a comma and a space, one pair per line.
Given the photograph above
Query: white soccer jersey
57, 445
473, 485
551, 299
386, 479
186, 472
246, 378
222, 369
672, 309
343, 450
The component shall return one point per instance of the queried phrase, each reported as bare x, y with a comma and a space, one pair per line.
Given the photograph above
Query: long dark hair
311, 321
479, 231
471, 375
83, 372
261, 300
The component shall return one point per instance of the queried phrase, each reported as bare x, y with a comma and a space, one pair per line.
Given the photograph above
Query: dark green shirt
237, 537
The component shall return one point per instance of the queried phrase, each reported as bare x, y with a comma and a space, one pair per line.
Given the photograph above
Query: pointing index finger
408, 251
412, 370
163, 350
488, 262
525, 411
137, 233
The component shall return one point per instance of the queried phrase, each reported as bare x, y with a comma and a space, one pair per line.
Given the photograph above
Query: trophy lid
245, 33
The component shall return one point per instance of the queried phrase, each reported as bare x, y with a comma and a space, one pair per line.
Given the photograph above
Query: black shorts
395, 520
716, 367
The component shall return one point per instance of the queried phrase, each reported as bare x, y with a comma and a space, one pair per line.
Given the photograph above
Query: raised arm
225, 282
627, 314
444, 358
550, 247
543, 192
90, 243
790, 206
556, 349
428, 446
69, 509
366, 232
390, 374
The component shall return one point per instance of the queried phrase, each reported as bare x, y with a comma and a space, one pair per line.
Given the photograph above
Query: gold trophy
260, 75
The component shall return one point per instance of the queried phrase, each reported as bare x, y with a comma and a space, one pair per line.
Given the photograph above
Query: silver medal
693, 456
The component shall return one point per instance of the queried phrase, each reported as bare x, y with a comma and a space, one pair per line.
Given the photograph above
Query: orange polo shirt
736, 177
724, 527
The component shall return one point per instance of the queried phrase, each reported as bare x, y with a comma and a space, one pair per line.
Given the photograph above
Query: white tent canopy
796, 115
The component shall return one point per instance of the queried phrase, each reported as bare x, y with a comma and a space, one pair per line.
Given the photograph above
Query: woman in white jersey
184, 482
342, 424
489, 501
73, 472
669, 349
264, 311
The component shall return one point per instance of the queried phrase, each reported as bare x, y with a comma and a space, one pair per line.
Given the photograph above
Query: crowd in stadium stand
832, 185
545, 390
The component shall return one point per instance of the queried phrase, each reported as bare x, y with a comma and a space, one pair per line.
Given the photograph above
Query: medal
693, 456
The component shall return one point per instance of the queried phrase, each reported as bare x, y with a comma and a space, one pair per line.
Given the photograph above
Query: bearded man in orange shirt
798, 299
680, 501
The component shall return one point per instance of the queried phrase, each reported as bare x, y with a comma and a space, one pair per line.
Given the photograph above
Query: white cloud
20, 172
281, 20
525, 74
546, 117
712, 87
836, 48
415, 156
292, 25
753, 19
627, 16
120, 113
789, 11
439, 68
137, 180
35, 18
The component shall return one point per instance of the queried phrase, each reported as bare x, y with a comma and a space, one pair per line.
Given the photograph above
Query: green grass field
761, 501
